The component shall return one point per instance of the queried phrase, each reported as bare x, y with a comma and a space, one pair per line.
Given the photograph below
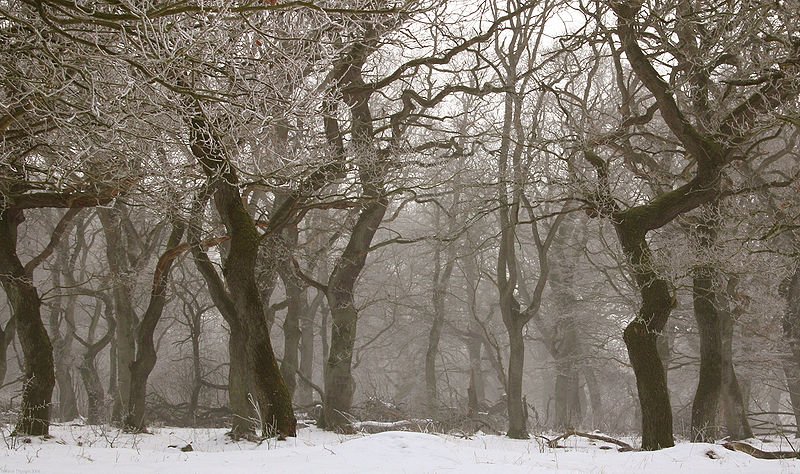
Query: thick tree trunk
641, 340
705, 283
709, 387
567, 394
238, 387
39, 376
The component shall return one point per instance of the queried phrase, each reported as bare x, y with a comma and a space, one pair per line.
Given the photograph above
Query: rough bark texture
39, 376
269, 395
641, 340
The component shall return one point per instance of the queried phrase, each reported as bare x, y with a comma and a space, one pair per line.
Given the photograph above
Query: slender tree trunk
304, 394
39, 373
296, 309
734, 404
146, 356
434, 334
123, 308
476, 390
197, 368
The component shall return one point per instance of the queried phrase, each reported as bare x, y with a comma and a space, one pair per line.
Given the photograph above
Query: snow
92, 449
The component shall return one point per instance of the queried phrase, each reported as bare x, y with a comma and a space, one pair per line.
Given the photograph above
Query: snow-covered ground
85, 450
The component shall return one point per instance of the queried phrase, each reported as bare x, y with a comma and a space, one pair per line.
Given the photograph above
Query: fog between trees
509, 216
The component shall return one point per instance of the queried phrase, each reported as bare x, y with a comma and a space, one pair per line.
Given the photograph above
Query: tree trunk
641, 336
39, 376
434, 334
706, 400
241, 303
791, 334
238, 387
297, 306
6, 338
304, 394
477, 390
569, 410
595, 397
517, 419
146, 356
123, 308
734, 404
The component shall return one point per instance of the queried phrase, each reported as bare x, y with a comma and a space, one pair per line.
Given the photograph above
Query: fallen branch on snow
757, 453
622, 444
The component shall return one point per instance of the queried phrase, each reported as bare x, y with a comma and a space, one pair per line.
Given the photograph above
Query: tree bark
705, 281
339, 383
39, 373
242, 303
791, 334
145, 359
641, 336
297, 306
125, 315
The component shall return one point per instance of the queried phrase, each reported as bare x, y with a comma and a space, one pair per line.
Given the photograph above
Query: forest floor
93, 449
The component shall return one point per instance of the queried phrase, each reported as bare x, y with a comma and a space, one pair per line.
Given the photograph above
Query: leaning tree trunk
39, 376
339, 383
242, 303
146, 356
